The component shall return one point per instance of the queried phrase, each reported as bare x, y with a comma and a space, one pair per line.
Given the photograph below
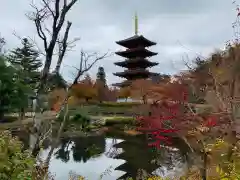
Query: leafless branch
64, 105
50, 10
85, 65
62, 47
187, 64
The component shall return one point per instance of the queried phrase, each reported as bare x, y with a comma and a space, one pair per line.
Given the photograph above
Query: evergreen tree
27, 63
26, 60
12, 91
101, 76
101, 84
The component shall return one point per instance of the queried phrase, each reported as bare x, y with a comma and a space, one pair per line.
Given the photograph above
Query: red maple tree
170, 116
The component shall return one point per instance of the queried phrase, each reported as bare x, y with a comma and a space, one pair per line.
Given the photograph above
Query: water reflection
124, 156
82, 148
138, 155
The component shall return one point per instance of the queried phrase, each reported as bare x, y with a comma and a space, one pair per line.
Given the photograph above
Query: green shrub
119, 120
15, 164
76, 120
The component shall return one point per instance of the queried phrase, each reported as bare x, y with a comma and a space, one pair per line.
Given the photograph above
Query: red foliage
154, 125
170, 116
211, 121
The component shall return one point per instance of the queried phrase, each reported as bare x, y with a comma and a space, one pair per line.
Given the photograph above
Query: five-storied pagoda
136, 56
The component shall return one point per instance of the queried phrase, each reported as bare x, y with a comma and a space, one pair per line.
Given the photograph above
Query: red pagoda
136, 56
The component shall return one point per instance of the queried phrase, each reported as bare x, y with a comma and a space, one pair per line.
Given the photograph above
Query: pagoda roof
146, 166
136, 52
135, 41
123, 84
125, 176
131, 73
136, 62
132, 171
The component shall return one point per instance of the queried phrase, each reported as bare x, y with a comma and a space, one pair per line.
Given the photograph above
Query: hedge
119, 120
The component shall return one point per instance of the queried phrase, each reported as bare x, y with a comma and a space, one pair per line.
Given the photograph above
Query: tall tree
101, 75
27, 61
12, 91
101, 84
55, 13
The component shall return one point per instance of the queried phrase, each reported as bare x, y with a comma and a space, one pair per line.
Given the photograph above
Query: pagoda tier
132, 74
123, 84
137, 155
135, 41
136, 52
140, 62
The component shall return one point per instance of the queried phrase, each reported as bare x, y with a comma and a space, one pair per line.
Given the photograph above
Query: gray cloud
179, 28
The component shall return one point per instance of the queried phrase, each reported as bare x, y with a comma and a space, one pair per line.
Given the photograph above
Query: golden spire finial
136, 23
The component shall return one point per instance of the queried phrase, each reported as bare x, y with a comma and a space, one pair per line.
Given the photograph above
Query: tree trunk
55, 142
22, 113
1, 116
144, 99
204, 169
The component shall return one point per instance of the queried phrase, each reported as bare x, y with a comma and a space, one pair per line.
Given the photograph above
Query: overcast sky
179, 27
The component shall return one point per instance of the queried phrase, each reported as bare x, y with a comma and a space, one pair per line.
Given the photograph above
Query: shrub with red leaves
171, 116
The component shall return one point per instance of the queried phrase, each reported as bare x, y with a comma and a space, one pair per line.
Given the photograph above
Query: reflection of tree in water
82, 148
112, 151
64, 150
138, 155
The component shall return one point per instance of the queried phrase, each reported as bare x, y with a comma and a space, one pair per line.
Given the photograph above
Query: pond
114, 156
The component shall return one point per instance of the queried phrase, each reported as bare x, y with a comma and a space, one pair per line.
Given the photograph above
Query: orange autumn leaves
147, 91
84, 91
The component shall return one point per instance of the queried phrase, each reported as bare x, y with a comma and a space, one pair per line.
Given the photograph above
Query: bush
15, 164
119, 120
75, 118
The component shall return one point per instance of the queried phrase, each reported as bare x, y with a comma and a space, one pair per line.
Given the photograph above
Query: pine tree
12, 92
27, 63
101, 76
101, 84
26, 60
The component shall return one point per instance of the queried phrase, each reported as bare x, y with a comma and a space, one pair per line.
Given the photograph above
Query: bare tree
87, 61
55, 11
63, 47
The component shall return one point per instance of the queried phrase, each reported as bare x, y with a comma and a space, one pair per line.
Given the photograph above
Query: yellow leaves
57, 95
124, 92
81, 178
71, 100
84, 90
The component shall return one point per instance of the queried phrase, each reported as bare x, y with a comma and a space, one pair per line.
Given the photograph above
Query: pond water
115, 157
